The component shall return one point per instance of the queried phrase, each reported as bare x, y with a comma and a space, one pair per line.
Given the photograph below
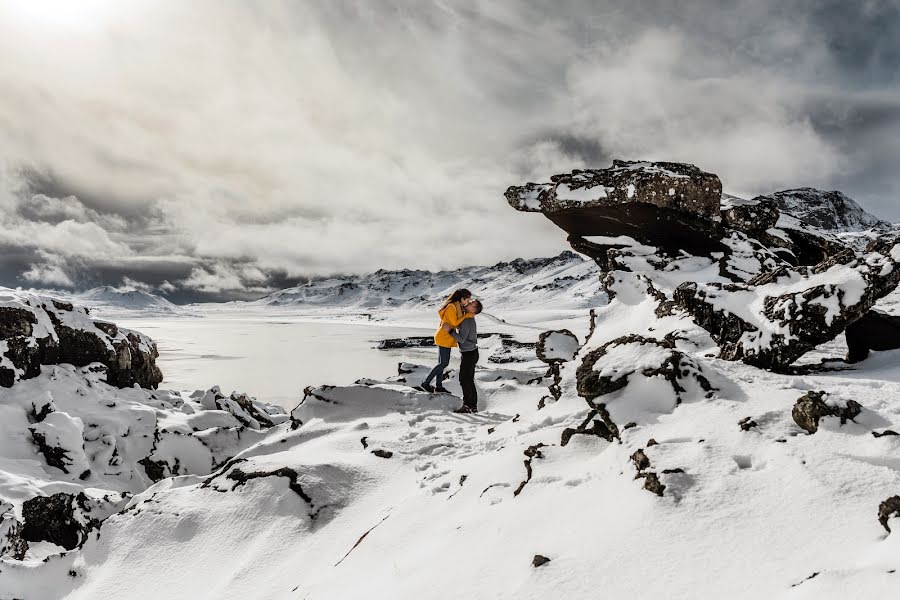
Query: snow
583, 194
441, 517
560, 346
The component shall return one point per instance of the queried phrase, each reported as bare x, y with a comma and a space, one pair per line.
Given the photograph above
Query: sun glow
69, 14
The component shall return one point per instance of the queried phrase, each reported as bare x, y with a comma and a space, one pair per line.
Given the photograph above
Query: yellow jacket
452, 314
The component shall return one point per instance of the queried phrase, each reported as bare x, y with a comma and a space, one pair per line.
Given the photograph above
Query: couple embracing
457, 329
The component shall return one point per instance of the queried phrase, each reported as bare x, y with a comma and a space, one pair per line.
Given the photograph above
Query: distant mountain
833, 211
563, 281
111, 298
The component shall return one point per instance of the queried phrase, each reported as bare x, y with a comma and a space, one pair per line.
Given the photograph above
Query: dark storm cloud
222, 149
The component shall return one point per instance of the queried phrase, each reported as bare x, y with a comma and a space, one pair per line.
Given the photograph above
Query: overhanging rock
669, 205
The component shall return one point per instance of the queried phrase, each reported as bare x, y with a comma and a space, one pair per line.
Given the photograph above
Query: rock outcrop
37, 330
811, 408
609, 368
670, 205
776, 318
888, 509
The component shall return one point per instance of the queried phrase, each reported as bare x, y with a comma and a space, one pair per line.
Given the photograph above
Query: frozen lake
271, 357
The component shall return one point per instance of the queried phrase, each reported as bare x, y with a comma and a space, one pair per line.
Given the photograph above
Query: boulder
811, 407
53, 519
37, 330
634, 380
875, 330
557, 346
670, 205
776, 318
888, 509
749, 216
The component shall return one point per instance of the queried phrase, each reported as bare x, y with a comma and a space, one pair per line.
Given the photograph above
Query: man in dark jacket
467, 338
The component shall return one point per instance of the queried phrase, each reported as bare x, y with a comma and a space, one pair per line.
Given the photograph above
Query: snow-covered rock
39, 330
557, 346
660, 203
775, 319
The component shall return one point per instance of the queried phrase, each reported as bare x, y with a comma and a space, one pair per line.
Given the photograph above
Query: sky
217, 149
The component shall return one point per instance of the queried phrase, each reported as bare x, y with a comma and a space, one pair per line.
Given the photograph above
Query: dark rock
54, 455
750, 216
888, 432
888, 509
53, 519
407, 342
539, 561
128, 358
747, 424
531, 453
602, 427
875, 330
240, 477
668, 205
652, 483
652, 442
640, 460
382, 453
811, 407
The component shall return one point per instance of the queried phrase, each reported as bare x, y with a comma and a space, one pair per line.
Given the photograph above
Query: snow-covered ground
693, 481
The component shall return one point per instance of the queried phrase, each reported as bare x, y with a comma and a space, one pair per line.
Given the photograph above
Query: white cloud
48, 275
314, 138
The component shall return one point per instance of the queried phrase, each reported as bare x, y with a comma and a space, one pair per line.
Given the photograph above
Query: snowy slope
111, 300
378, 491
564, 281
832, 211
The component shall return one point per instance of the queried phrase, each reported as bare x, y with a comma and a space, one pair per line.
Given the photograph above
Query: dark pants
467, 379
438, 371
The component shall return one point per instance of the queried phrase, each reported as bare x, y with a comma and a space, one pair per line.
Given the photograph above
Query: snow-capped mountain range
566, 279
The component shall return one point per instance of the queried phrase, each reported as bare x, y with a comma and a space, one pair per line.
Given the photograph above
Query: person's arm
461, 334
454, 316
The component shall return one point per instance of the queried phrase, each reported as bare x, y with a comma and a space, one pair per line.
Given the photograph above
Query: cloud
217, 147
52, 275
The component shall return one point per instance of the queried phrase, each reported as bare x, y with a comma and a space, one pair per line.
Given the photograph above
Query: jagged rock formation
671, 205
103, 444
781, 288
778, 317
36, 330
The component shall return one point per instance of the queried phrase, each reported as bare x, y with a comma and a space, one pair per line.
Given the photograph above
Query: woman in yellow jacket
452, 313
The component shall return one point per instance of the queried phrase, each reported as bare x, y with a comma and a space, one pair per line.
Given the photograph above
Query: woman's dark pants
438, 371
